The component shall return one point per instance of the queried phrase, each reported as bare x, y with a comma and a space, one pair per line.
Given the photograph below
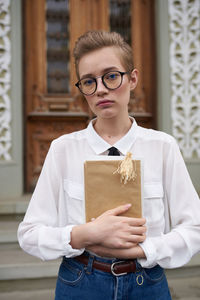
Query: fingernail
128, 205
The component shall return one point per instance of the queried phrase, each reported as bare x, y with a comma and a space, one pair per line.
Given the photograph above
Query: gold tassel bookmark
127, 169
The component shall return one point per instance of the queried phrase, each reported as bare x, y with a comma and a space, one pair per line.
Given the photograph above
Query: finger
129, 244
137, 238
138, 230
126, 245
119, 210
136, 221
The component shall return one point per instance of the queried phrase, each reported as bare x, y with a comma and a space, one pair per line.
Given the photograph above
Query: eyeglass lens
111, 80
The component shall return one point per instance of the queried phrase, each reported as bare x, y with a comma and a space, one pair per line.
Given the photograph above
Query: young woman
112, 257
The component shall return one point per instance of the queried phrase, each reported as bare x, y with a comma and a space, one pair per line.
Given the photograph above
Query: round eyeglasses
111, 80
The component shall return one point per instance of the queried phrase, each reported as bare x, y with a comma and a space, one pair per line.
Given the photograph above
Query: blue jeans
79, 282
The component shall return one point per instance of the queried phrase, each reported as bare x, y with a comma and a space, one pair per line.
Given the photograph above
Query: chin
107, 114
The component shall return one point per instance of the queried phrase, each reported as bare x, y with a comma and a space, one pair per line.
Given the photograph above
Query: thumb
119, 209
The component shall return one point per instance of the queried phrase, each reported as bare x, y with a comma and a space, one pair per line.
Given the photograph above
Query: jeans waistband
115, 266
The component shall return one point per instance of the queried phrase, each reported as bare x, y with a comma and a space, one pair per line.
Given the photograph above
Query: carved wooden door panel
52, 104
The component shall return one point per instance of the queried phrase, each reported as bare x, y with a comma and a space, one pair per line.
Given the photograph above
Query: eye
112, 76
87, 81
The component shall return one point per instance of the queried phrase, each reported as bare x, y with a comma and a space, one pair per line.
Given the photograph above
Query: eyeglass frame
102, 79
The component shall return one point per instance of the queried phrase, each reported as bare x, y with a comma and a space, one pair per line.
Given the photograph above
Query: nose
101, 88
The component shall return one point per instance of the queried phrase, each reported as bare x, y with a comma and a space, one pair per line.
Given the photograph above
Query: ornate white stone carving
184, 22
5, 103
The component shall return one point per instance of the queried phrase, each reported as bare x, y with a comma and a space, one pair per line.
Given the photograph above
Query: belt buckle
113, 271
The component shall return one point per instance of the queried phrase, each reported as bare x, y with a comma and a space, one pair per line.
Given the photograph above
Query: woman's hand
110, 230
131, 253
114, 231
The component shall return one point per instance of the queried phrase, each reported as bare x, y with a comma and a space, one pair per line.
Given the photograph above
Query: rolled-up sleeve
176, 247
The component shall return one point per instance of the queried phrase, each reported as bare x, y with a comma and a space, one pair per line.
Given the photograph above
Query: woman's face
107, 103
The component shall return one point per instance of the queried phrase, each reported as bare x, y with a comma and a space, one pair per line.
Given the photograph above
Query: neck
112, 130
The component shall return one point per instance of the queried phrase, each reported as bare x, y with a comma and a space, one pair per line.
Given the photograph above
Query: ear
133, 79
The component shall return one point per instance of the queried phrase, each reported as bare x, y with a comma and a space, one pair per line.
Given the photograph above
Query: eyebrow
112, 68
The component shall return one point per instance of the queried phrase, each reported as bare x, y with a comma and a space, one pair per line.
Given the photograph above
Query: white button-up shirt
171, 204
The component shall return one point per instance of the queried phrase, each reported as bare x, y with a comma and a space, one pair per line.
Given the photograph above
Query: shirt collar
99, 145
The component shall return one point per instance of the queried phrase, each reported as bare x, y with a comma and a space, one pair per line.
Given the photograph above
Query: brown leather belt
117, 268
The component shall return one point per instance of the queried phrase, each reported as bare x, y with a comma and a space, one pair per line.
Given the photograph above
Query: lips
104, 102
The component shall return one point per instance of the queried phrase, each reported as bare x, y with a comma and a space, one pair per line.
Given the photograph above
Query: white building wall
11, 144
178, 65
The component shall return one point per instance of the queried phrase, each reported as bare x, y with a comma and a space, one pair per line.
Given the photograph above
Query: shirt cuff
66, 238
150, 252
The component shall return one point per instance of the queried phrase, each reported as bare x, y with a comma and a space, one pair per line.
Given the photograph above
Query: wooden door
52, 104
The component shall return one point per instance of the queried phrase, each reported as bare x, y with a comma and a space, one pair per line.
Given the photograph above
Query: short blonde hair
94, 40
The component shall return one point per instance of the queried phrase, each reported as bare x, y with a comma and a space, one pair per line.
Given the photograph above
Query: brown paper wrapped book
104, 189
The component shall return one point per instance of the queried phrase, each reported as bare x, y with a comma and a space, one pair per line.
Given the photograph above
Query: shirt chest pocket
153, 207
74, 195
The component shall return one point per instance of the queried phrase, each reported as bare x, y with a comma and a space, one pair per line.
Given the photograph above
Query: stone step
12, 211
31, 284
8, 231
191, 269
185, 288
16, 205
28, 295
15, 264
181, 289
23, 277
